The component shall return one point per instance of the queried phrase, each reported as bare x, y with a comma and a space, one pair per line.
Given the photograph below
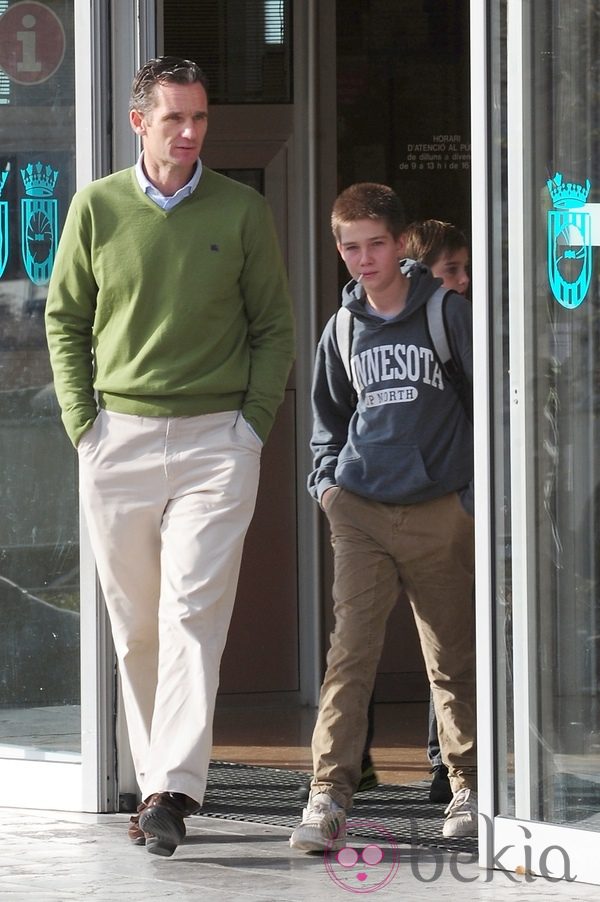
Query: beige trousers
167, 502
428, 549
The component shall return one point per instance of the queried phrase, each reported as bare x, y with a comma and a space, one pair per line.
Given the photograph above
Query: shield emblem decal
569, 256
3, 225
569, 241
39, 221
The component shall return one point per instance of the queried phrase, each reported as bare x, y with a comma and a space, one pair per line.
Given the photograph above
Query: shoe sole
456, 831
308, 845
165, 833
309, 842
139, 841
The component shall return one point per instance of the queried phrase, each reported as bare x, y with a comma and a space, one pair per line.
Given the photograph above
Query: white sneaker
323, 826
461, 814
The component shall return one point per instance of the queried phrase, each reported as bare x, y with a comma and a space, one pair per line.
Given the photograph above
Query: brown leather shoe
134, 831
161, 821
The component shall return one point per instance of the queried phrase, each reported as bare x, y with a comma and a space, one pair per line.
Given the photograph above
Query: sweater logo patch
215, 247
391, 396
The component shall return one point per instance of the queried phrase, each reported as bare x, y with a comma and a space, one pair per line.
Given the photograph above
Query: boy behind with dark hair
393, 464
443, 248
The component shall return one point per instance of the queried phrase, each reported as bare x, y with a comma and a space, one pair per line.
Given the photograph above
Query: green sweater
172, 313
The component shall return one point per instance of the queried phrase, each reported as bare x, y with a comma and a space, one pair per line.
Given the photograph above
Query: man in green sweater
170, 332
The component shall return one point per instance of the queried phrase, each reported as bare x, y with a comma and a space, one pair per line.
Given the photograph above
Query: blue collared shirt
166, 203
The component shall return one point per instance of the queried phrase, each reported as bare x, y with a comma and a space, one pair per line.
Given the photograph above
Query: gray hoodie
404, 436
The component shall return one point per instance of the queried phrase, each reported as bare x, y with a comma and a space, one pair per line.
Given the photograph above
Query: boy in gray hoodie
393, 469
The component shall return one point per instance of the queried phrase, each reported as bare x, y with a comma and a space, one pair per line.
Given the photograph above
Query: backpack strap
436, 325
344, 327
452, 368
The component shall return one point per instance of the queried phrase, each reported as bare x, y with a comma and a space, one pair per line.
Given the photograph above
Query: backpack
434, 309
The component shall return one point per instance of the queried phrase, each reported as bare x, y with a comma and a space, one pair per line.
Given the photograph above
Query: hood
422, 285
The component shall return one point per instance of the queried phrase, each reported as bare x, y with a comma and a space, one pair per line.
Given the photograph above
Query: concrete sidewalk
58, 857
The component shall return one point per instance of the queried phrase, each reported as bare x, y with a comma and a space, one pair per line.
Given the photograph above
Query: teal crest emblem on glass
3, 224
569, 241
39, 221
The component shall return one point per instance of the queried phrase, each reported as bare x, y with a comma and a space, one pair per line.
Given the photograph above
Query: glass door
541, 804
49, 752
247, 53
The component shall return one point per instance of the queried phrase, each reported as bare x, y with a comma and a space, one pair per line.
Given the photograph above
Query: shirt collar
155, 194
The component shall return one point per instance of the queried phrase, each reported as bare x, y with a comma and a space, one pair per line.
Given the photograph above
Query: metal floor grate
268, 795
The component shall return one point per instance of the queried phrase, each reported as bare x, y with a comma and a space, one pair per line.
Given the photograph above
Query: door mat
267, 795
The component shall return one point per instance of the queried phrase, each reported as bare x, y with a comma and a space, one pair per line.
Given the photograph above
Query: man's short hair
368, 200
160, 71
428, 240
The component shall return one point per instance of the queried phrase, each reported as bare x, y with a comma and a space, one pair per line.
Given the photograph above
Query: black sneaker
368, 778
440, 790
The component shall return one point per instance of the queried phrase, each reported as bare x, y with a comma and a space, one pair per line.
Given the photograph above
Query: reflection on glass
386, 133
564, 380
243, 46
39, 547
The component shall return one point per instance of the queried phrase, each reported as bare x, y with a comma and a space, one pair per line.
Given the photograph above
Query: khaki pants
428, 549
168, 501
